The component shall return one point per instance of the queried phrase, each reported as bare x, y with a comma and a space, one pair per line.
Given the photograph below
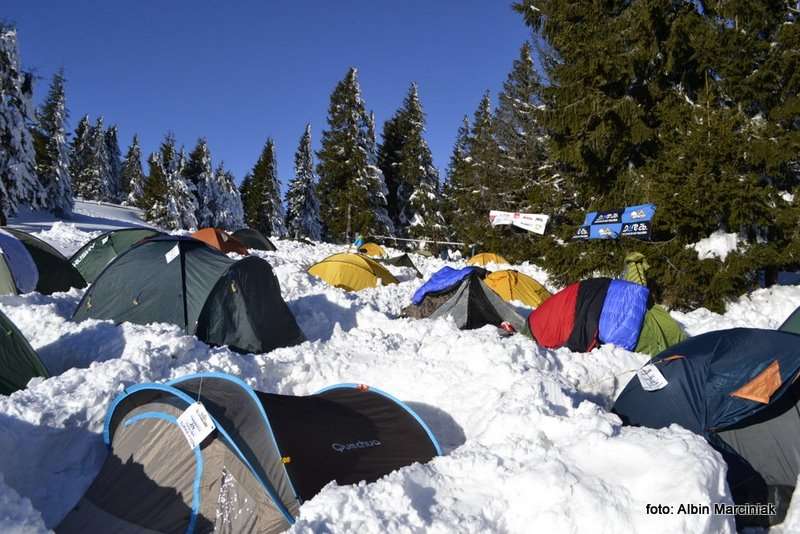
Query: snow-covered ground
529, 442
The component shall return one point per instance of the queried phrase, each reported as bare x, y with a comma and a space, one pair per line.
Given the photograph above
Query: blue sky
249, 70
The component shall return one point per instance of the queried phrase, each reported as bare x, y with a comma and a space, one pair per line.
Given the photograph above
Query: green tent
792, 324
18, 361
183, 281
659, 331
56, 273
93, 257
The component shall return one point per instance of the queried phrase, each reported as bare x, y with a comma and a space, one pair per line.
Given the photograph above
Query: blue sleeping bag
442, 280
623, 313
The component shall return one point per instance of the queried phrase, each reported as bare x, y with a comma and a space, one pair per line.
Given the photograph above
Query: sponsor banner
532, 222
633, 221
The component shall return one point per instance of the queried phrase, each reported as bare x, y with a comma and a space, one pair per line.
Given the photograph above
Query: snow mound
717, 245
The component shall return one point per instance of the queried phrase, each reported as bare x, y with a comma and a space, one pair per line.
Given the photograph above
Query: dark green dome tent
92, 258
56, 273
254, 239
18, 361
792, 324
266, 455
183, 281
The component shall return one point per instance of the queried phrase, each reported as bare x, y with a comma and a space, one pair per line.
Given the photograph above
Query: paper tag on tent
196, 424
173, 253
104, 241
651, 378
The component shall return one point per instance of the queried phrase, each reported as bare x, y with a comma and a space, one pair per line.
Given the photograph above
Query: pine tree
155, 193
454, 190
302, 206
168, 201
89, 161
181, 201
79, 153
263, 210
201, 179
132, 177
19, 184
113, 162
350, 183
52, 152
228, 210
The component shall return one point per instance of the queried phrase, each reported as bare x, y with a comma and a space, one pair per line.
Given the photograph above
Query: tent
18, 271
738, 388
92, 258
659, 331
180, 280
373, 250
18, 361
220, 240
462, 295
514, 285
352, 272
267, 455
404, 260
55, 272
485, 258
254, 239
792, 324
635, 269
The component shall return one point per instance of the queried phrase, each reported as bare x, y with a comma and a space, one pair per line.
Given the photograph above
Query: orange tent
220, 240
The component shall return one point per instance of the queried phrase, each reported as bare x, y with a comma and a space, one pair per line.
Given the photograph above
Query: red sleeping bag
551, 323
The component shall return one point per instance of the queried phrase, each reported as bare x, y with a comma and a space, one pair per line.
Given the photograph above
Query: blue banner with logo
633, 221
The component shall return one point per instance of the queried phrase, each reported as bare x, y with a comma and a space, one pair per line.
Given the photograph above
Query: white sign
532, 222
651, 378
196, 424
173, 253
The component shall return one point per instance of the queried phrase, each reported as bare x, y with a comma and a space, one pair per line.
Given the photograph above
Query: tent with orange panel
220, 240
485, 258
514, 285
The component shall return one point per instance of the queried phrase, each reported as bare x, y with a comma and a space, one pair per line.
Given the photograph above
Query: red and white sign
532, 222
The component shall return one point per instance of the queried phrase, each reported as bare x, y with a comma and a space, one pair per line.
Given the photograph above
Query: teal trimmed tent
18, 361
92, 258
56, 273
183, 281
267, 455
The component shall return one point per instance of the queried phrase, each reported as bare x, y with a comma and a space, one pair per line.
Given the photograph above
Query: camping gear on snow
18, 361
358, 241
633, 221
485, 258
600, 310
254, 239
635, 269
462, 295
264, 456
514, 285
92, 258
182, 281
737, 388
372, 250
792, 324
55, 272
351, 272
18, 271
220, 240
404, 260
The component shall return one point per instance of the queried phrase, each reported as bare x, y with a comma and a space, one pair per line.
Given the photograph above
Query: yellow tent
486, 257
372, 249
352, 272
513, 285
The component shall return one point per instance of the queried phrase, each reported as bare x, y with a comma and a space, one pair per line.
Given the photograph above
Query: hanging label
104, 241
651, 378
173, 253
196, 424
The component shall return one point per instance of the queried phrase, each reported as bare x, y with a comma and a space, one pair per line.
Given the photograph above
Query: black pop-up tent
254, 239
183, 281
267, 454
18, 361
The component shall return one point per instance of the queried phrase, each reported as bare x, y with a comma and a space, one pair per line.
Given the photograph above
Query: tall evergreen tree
113, 162
350, 183
132, 177
19, 184
52, 151
201, 179
156, 188
302, 205
168, 201
454, 190
228, 210
181, 201
264, 210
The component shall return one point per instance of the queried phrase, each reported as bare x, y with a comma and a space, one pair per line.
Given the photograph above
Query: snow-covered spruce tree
132, 177
455, 189
181, 202
79, 156
52, 151
412, 180
302, 206
19, 184
113, 161
264, 210
349, 180
200, 177
89, 162
168, 201
228, 210
154, 200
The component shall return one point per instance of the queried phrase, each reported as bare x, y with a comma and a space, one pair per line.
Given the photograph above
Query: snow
529, 442
717, 245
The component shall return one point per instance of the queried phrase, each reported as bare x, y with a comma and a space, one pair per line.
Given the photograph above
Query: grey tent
792, 324
403, 260
93, 257
18, 361
266, 455
56, 273
183, 281
254, 239
471, 303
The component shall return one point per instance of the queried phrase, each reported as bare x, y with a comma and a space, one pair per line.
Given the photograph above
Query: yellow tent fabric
372, 249
352, 272
486, 257
513, 285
